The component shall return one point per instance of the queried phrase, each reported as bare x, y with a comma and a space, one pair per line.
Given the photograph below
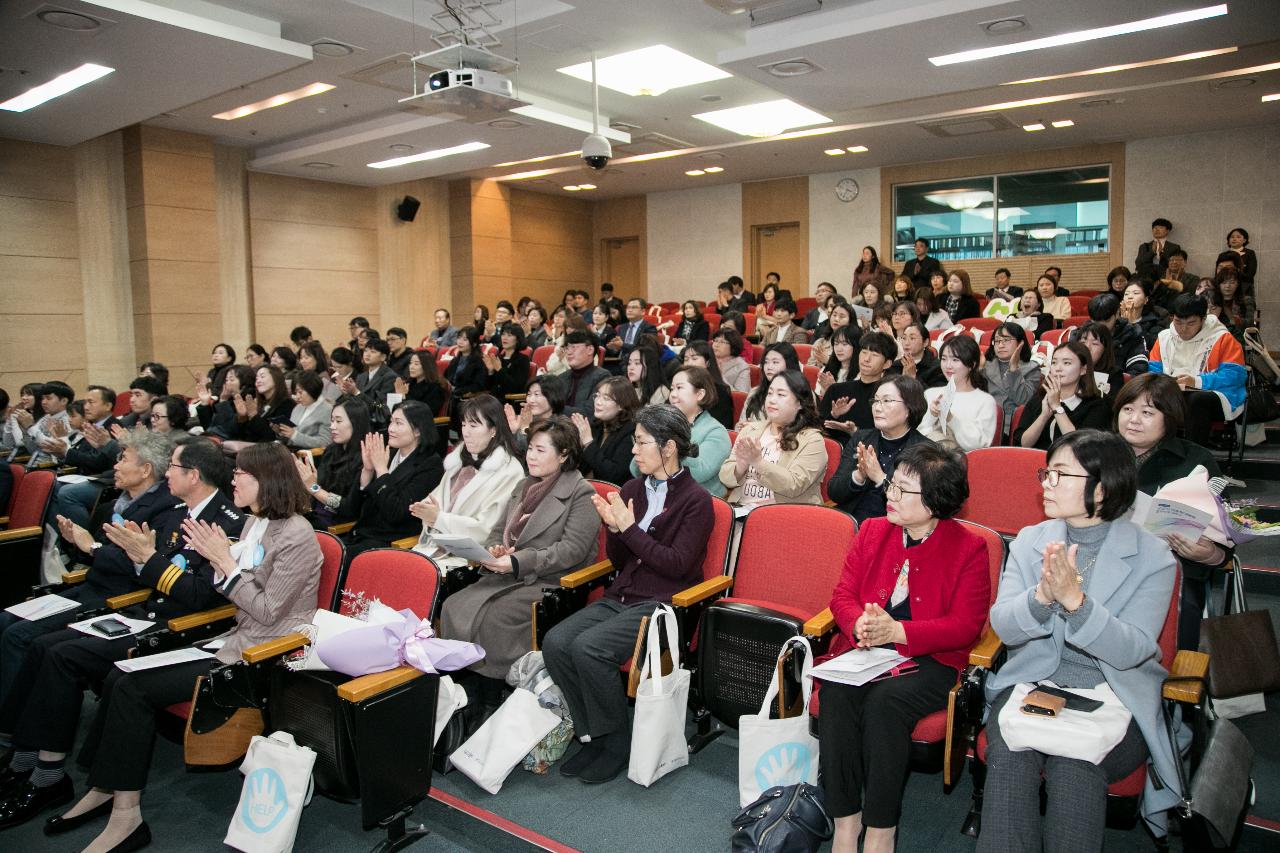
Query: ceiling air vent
765, 11
651, 143
967, 126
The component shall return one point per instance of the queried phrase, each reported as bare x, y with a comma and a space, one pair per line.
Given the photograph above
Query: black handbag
1243, 655
1214, 803
789, 819
1260, 405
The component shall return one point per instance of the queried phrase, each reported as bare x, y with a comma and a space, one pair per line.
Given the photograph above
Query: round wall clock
847, 189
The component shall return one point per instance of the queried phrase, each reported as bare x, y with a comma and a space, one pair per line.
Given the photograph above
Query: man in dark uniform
43, 708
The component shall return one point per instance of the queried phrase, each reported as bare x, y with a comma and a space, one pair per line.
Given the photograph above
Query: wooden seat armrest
4, 519
405, 544
119, 602
1187, 677
701, 592
573, 580
339, 529
831, 504
74, 577
515, 398
17, 533
443, 420
984, 654
204, 617
820, 624
368, 686
275, 648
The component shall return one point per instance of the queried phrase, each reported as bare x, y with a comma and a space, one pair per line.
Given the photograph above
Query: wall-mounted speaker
408, 208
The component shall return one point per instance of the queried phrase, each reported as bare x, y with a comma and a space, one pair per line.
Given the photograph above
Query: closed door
621, 266
776, 248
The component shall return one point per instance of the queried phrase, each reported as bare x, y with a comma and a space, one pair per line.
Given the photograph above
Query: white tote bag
450, 699
277, 784
777, 752
489, 755
1088, 736
658, 744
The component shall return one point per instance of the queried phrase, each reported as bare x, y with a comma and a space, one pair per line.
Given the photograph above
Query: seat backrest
1075, 321
810, 375
1053, 337
18, 472
1168, 640
739, 403
833, 462
756, 374
713, 322
542, 354
330, 570
1017, 418
121, 408
999, 425
749, 320
805, 304
1079, 303
803, 351
713, 564
603, 489
1004, 491
31, 499
986, 324
996, 552
397, 578
792, 554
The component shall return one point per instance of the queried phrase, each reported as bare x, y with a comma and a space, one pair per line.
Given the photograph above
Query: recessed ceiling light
711, 170
647, 71
1128, 66
1032, 128
506, 124
317, 164
834, 152
275, 101
573, 188
1004, 26
1235, 83
1275, 97
400, 146
1101, 102
710, 99
58, 86
713, 155
65, 20
769, 118
1066, 122
693, 173
586, 186
332, 49
1082, 35
430, 155
857, 149
790, 68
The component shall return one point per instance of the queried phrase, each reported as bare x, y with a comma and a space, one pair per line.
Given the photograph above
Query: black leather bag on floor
789, 819
1243, 656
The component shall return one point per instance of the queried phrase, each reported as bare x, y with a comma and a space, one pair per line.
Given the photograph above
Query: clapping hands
616, 515
374, 454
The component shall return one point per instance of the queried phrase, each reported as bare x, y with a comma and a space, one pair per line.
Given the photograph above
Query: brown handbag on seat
217, 735
1243, 657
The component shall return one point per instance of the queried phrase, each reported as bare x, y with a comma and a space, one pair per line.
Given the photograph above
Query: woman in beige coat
782, 458
550, 529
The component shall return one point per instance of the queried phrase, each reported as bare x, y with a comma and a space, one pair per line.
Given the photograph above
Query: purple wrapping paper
379, 648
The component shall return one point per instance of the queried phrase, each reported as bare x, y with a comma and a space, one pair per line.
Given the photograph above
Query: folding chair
23, 535
1004, 489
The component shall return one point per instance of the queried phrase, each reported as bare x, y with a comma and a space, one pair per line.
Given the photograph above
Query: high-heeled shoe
137, 839
58, 824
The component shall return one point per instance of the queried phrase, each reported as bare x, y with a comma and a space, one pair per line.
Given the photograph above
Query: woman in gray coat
1082, 601
550, 529
1012, 379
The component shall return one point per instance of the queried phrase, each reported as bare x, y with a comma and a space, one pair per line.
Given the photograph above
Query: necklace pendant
1079, 580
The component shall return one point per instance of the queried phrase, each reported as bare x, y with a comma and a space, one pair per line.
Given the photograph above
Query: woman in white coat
480, 476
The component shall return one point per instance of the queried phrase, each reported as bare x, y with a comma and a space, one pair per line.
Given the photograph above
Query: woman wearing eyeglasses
871, 455
1082, 601
918, 582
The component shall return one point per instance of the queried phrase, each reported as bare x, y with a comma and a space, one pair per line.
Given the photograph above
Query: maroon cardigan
654, 566
950, 588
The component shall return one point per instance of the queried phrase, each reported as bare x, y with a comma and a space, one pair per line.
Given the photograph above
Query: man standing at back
920, 268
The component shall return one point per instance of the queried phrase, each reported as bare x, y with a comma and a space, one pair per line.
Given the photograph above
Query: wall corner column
235, 263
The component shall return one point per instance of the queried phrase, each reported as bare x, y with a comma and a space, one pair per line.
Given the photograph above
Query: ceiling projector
475, 78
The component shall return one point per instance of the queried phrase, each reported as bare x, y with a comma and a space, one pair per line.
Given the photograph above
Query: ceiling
178, 62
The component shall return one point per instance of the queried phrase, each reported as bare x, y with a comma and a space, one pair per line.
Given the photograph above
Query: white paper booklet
1164, 516
462, 546
858, 666
163, 659
42, 607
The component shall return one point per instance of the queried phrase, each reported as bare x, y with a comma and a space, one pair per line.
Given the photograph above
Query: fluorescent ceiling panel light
524, 176
541, 159
1275, 97
813, 131
647, 71
1032, 128
1082, 35
769, 118
275, 101
429, 155
1128, 66
857, 149
58, 86
1063, 123
834, 152
657, 155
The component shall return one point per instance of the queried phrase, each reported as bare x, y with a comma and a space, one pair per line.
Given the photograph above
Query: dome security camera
596, 151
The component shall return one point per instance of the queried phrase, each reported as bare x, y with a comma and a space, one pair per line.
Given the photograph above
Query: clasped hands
875, 628
869, 468
1059, 577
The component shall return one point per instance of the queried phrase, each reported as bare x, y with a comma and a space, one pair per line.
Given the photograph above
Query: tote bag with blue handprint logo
777, 752
277, 784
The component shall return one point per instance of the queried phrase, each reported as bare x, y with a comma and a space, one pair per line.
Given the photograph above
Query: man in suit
378, 380
743, 300
784, 311
922, 267
629, 333
818, 315
583, 375
1153, 257
445, 334
42, 709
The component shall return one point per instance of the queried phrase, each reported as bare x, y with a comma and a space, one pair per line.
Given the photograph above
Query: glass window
954, 216
1062, 212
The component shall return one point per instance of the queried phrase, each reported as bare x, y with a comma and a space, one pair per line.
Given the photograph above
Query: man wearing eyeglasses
583, 376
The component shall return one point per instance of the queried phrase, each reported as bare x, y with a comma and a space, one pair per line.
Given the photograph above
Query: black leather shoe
58, 824
28, 801
11, 780
606, 766
137, 839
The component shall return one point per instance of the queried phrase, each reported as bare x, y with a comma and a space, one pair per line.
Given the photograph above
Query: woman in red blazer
918, 581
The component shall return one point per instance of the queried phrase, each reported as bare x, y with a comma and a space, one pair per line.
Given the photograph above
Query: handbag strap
652, 669
806, 674
1186, 805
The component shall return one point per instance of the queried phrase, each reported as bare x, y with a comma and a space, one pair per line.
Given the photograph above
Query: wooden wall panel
31, 170
1079, 272
413, 257
38, 228
285, 199
298, 245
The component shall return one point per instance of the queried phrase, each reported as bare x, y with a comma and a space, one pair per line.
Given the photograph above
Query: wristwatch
1059, 410
315, 488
